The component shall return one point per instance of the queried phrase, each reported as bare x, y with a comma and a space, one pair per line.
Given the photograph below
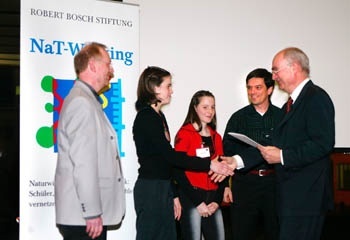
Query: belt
262, 172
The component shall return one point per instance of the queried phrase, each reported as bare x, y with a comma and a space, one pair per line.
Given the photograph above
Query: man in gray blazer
89, 183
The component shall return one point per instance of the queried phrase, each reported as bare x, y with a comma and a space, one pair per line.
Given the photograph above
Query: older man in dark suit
302, 143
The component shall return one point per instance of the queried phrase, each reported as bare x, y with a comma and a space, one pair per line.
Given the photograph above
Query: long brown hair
149, 79
192, 116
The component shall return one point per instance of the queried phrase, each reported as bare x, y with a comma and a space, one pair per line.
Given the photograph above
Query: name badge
203, 152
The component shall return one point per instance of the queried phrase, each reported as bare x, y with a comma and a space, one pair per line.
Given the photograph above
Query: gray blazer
89, 181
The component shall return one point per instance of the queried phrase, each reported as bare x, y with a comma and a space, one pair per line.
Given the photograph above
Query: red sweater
188, 140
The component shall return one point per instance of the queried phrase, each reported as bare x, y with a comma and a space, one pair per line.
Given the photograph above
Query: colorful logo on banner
111, 103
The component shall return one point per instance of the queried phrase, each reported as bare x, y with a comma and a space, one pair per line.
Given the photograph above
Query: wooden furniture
341, 176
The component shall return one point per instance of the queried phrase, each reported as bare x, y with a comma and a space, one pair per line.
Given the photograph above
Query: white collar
294, 95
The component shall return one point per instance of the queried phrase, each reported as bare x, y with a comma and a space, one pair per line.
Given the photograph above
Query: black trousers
301, 227
79, 233
154, 206
253, 211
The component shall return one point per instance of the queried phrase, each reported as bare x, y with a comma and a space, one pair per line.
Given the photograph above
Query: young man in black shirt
253, 187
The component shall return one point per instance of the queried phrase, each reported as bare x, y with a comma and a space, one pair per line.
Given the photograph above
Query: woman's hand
177, 208
203, 210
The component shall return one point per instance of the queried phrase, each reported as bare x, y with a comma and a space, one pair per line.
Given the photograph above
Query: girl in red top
199, 195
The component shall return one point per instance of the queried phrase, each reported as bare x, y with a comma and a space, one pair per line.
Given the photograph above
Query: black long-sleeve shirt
155, 154
256, 126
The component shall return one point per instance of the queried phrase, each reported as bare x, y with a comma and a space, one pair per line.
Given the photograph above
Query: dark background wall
9, 111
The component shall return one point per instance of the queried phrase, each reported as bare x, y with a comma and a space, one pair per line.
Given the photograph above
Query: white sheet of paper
244, 138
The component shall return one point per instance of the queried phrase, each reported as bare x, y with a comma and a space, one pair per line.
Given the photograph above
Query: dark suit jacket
306, 136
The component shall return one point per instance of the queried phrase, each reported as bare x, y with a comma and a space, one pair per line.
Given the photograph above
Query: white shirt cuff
281, 156
240, 163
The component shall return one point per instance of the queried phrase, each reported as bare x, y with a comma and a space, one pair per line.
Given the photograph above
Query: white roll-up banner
52, 32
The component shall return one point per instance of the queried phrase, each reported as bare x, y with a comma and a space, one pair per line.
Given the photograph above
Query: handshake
219, 170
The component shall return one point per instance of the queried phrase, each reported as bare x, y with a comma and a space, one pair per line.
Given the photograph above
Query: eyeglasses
274, 71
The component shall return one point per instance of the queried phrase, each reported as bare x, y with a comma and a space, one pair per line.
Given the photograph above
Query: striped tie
289, 104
